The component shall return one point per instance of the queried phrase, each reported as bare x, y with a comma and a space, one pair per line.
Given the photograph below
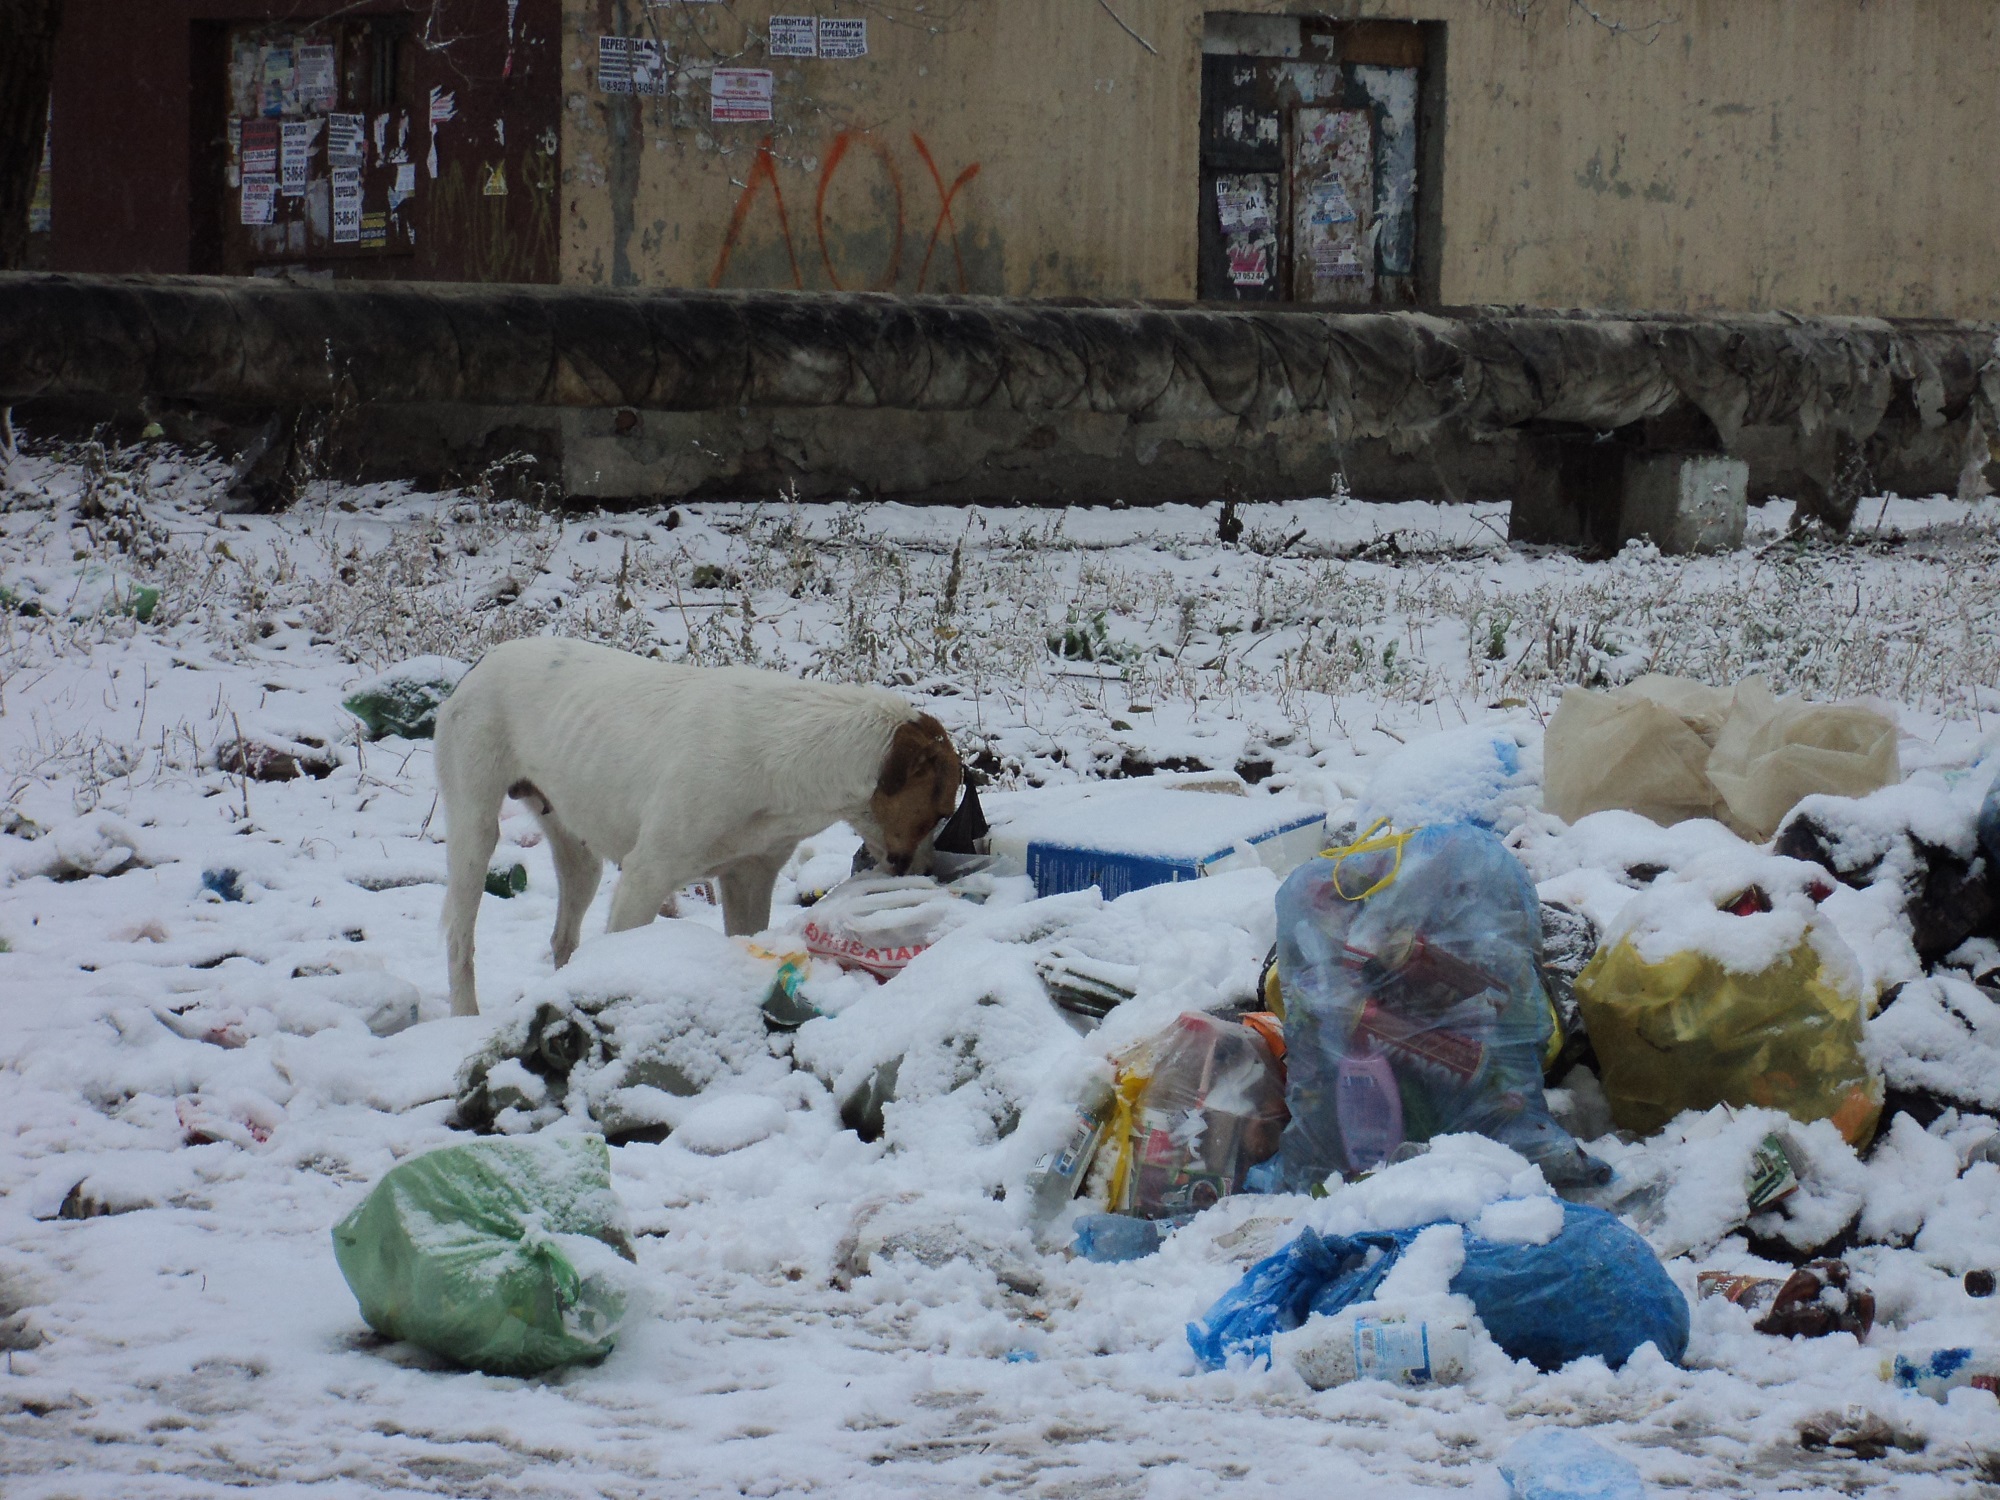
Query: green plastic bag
495, 1254
405, 699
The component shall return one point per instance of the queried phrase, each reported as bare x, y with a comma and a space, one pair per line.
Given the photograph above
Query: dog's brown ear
919, 746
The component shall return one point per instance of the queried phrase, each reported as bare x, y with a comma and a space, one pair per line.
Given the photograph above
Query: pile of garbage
1692, 1049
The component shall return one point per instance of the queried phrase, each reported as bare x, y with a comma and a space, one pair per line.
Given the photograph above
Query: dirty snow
196, 1088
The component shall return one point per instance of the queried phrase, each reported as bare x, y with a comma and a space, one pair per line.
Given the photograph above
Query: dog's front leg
746, 892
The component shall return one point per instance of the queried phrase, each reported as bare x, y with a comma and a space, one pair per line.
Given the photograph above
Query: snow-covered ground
189, 1100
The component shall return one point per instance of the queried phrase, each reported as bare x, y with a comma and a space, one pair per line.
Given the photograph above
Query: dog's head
917, 790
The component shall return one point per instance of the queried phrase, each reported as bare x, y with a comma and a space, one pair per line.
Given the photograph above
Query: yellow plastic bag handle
1368, 843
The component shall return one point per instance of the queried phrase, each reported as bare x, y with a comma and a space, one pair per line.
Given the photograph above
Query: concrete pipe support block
1685, 502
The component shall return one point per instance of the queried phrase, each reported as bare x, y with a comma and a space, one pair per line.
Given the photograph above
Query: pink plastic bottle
1370, 1109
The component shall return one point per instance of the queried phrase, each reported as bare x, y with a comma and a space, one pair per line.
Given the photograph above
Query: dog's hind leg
577, 874
472, 830
644, 886
746, 892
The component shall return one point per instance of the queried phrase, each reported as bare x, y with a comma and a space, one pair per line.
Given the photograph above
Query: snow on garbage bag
1415, 1005
1705, 995
405, 699
1596, 1288
500, 1255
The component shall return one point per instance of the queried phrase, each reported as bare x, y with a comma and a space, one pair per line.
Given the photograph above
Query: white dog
673, 773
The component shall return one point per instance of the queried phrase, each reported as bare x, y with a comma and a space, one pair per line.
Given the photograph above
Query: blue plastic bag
1414, 1005
1596, 1288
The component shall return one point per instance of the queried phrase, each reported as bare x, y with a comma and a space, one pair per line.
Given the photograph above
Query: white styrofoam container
1124, 836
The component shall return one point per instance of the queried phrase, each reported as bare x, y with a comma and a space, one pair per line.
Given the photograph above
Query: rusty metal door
1240, 258
322, 127
1333, 220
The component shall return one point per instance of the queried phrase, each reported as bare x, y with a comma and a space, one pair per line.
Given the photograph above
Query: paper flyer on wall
842, 38
346, 205
632, 65
793, 36
260, 200
317, 81
347, 139
295, 148
740, 94
260, 149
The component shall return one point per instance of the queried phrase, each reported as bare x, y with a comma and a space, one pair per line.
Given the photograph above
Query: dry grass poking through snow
1325, 612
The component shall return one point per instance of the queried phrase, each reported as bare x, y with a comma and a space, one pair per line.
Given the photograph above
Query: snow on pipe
262, 343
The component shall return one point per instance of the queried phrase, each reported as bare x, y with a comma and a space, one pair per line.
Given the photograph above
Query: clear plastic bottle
1376, 1345
1057, 1176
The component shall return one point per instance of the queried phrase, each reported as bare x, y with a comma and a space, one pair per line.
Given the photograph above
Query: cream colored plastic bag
1639, 747
1774, 751
1674, 749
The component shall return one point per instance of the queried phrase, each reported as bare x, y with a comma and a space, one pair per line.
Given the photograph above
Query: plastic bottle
1556, 1463
1057, 1176
1110, 1238
1370, 1109
1374, 1345
1942, 1371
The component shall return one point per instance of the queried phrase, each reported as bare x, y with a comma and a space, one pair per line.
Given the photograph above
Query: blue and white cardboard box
1124, 836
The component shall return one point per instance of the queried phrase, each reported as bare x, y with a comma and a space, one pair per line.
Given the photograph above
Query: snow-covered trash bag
1558, 1463
1672, 749
623, 1037
1729, 986
506, 1256
1195, 1108
1485, 774
1593, 1288
404, 700
1415, 1005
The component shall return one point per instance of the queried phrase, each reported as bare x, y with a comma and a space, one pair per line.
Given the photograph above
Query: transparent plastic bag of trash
1596, 1288
1415, 1005
1194, 1108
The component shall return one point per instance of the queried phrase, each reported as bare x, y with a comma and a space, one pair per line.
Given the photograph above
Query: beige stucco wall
1818, 155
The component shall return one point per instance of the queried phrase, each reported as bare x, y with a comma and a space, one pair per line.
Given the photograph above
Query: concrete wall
1816, 155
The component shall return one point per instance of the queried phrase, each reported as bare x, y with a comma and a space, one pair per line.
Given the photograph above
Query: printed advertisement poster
347, 205
295, 149
632, 65
842, 38
740, 94
346, 138
260, 200
317, 83
260, 149
794, 36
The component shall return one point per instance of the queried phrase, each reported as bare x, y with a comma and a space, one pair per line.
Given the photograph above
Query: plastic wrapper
1595, 1289
1196, 1107
879, 924
1414, 1005
501, 1255
1686, 1033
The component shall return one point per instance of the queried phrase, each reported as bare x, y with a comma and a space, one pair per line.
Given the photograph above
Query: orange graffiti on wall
764, 174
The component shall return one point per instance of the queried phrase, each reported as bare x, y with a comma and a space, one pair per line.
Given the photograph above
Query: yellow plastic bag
1686, 1033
